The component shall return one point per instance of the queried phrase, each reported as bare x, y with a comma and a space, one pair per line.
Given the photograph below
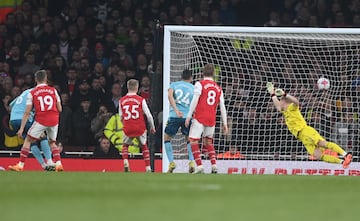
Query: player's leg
145, 152
208, 142
24, 153
311, 139
51, 135
37, 154
336, 148
46, 149
195, 132
170, 130
125, 152
33, 134
185, 131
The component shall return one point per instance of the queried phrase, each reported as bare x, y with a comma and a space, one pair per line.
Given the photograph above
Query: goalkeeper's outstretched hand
279, 92
270, 87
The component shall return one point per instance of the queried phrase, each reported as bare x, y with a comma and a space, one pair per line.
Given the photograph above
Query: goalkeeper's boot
126, 167
199, 169
148, 169
214, 168
16, 167
191, 166
59, 168
172, 167
347, 161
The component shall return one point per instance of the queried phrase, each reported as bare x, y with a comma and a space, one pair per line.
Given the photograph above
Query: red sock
125, 152
196, 153
24, 153
56, 154
211, 151
146, 155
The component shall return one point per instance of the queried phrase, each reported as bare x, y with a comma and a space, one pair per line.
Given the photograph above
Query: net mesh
246, 61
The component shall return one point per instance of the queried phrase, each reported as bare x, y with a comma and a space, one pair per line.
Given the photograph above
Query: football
323, 83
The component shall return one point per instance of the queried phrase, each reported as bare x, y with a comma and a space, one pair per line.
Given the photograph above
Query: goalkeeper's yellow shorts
310, 138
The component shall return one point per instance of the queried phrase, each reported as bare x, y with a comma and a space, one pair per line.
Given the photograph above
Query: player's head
208, 70
186, 75
41, 76
133, 85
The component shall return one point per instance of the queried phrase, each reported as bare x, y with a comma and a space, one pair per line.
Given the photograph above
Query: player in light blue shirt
18, 106
180, 95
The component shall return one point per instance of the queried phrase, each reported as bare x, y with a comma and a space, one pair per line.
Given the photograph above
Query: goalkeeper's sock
169, 151
45, 147
211, 152
191, 156
37, 154
336, 148
124, 152
196, 152
330, 159
146, 155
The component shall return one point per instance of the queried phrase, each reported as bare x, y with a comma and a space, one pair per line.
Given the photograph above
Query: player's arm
270, 88
149, 117
120, 112
194, 102
58, 101
223, 114
173, 103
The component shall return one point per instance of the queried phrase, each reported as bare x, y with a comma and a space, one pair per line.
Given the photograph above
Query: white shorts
37, 129
128, 140
197, 129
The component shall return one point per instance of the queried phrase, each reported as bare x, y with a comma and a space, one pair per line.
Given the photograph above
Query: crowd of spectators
91, 48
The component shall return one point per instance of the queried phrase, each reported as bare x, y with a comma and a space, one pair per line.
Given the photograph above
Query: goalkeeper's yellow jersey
294, 119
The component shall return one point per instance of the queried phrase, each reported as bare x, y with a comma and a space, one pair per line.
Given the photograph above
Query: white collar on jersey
131, 93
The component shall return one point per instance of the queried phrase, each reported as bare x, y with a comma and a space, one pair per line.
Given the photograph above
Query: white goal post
245, 58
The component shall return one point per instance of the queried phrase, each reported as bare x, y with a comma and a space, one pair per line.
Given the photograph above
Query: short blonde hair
40, 76
133, 85
208, 70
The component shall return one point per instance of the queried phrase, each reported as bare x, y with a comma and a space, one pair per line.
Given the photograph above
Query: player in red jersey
132, 109
207, 96
47, 105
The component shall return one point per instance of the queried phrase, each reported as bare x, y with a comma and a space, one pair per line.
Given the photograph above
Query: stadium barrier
274, 167
82, 162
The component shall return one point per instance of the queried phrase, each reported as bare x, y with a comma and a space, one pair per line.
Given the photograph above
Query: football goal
245, 59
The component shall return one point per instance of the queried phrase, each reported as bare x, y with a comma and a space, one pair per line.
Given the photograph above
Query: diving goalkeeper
314, 143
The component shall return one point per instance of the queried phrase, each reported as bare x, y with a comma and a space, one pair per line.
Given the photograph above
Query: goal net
293, 59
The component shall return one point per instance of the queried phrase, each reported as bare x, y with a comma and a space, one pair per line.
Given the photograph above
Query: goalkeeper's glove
280, 92
270, 87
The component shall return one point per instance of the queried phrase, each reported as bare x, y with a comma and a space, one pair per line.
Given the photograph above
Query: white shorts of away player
37, 129
197, 128
142, 139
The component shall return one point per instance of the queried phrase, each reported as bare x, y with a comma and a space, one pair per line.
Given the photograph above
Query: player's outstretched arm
271, 91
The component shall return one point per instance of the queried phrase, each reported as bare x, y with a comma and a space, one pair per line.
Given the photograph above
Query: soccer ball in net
323, 83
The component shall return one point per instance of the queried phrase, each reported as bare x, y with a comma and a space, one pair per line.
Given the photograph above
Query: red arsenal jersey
132, 115
205, 111
44, 99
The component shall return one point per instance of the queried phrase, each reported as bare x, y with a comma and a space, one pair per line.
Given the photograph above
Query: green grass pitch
75, 196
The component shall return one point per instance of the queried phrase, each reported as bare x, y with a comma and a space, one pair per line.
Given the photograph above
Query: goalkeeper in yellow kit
314, 143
